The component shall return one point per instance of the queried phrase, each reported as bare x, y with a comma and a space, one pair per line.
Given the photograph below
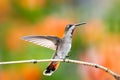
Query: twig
116, 76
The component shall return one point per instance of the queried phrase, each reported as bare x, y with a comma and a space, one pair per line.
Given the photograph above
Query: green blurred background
98, 41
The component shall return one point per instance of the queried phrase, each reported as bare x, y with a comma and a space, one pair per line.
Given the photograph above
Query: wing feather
45, 41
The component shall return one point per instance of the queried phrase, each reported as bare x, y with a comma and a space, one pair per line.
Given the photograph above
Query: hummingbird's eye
68, 27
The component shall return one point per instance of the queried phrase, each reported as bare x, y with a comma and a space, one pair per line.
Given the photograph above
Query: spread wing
45, 41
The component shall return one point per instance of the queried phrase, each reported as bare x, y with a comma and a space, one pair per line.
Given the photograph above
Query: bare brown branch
115, 75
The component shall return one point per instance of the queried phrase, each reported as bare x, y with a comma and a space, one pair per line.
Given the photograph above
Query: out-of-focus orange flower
30, 73
50, 26
93, 31
4, 6
31, 4
54, 26
110, 51
4, 10
13, 37
9, 75
105, 53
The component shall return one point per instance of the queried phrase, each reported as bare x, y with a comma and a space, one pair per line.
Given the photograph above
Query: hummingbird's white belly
64, 50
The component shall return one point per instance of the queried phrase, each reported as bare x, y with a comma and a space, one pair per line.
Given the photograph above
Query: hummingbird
61, 46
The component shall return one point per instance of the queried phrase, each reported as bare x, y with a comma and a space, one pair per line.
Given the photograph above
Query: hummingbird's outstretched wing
45, 41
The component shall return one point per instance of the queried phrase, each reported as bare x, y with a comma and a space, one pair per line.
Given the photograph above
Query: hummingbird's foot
67, 56
66, 60
34, 62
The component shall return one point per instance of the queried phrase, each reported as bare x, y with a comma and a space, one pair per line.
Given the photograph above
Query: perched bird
61, 46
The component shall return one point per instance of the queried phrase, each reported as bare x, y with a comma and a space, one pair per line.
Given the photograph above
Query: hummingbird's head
68, 27
71, 27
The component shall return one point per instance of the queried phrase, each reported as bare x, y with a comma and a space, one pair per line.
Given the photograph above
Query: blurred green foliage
35, 14
112, 18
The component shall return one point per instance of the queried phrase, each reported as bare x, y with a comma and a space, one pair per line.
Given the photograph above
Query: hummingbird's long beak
80, 24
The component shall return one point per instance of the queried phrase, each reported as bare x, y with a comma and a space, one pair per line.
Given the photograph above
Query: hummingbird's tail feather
51, 68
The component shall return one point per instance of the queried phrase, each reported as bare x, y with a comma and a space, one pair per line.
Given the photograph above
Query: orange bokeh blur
9, 75
50, 26
26, 73
93, 31
105, 53
31, 4
30, 73
5, 8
